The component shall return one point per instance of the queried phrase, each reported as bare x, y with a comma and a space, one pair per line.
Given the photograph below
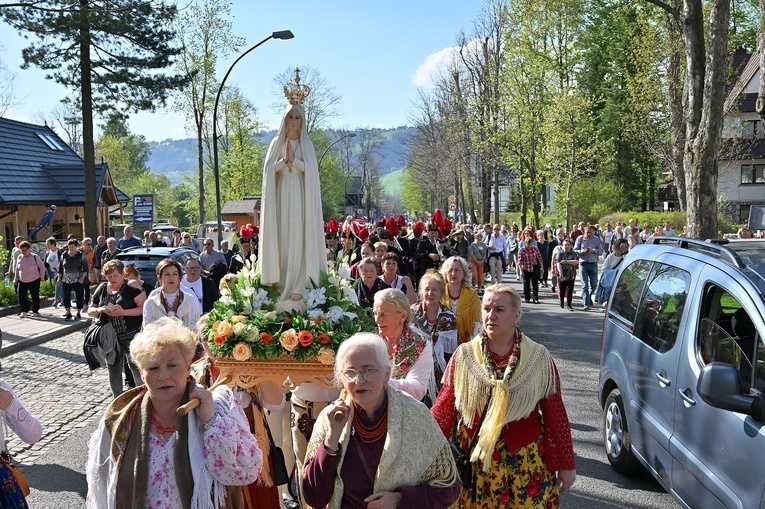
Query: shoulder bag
462, 459
5, 460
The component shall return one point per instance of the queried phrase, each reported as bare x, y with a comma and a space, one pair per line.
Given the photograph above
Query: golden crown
295, 92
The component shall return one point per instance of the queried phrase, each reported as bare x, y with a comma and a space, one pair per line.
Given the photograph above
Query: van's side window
629, 288
728, 335
661, 308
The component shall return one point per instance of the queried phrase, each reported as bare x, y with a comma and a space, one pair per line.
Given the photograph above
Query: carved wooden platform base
285, 372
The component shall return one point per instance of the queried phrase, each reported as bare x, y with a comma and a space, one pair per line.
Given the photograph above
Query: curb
43, 338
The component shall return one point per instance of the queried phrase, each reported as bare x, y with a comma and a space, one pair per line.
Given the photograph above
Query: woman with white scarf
377, 447
15, 415
144, 455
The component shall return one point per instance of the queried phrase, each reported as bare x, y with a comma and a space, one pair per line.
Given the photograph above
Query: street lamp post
281, 34
347, 135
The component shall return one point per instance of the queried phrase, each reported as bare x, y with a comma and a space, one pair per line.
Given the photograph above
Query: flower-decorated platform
253, 343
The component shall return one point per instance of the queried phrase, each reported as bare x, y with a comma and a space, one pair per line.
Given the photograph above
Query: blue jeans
588, 276
52, 274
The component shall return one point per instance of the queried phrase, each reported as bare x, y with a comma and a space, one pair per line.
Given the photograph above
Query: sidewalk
20, 333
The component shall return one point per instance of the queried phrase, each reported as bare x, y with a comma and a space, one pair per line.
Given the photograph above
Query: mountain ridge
177, 158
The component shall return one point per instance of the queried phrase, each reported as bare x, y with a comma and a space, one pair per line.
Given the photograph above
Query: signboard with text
143, 208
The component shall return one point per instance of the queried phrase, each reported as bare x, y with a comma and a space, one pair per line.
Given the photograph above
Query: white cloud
433, 64
437, 62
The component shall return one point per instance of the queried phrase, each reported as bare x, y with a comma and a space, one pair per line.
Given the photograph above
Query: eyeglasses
88, 244
193, 268
367, 374
208, 243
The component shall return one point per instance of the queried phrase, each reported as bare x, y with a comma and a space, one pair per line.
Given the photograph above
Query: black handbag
461, 458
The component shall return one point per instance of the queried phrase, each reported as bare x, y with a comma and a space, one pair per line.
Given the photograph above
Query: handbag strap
363, 459
478, 428
265, 420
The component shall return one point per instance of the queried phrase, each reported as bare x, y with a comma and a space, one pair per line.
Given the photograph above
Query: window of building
754, 129
753, 173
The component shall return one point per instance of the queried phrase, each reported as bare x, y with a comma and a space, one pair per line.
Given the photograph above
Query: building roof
39, 168
246, 206
736, 97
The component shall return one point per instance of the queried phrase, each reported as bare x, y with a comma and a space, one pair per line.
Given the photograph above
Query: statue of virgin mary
292, 252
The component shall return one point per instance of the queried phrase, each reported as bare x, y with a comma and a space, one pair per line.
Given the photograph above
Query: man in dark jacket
202, 287
428, 254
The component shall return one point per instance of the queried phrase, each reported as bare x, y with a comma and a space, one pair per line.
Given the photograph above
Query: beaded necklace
369, 434
161, 429
495, 364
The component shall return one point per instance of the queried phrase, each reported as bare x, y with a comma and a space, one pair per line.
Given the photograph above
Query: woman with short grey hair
375, 446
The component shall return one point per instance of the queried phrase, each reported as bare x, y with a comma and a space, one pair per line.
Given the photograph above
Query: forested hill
176, 158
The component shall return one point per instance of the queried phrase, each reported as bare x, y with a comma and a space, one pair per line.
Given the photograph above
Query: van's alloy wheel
616, 437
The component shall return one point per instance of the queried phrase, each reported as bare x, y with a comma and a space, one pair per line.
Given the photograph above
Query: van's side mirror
719, 385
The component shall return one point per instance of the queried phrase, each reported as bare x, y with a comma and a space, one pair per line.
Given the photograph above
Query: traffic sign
452, 206
452, 199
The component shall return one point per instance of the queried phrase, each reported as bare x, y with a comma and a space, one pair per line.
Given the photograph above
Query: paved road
53, 380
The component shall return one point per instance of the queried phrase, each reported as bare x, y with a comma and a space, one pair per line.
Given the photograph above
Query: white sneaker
33, 314
22, 315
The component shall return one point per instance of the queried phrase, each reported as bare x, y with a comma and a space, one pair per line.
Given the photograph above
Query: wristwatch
212, 422
331, 451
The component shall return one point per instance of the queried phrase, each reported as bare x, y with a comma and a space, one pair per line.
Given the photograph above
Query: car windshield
752, 254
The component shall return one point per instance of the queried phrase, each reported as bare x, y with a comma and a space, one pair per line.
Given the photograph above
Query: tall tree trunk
675, 100
201, 170
496, 194
88, 148
704, 112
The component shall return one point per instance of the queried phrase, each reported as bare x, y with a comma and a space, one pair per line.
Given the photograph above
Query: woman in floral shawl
143, 455
501, 394
409, 348
436, 319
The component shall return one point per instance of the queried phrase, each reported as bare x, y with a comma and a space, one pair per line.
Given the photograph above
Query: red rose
219, 340
537, 477
495, 456
533, 489
504, 498
266, 338
305, 338
324, 339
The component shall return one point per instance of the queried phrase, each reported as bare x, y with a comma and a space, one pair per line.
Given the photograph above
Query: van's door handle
689, 401
663, 380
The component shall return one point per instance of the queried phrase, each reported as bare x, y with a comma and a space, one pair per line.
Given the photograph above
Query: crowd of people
447, 339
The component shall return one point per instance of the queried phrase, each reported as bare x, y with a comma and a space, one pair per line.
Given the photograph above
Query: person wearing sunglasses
376, 446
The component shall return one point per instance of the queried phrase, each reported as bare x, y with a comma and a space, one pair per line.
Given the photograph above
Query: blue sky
376, 54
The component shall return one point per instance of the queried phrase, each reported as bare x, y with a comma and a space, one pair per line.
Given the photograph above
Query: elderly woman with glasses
376, 447
144, 455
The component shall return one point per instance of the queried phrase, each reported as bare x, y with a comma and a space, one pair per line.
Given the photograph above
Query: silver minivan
682, 370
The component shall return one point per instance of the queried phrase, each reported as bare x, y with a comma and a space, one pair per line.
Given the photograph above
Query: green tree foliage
205, 34
111, 52
413, 197
332, 178
127, 155
241, 154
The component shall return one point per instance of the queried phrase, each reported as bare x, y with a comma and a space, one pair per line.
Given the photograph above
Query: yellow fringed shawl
468, 312
510, 399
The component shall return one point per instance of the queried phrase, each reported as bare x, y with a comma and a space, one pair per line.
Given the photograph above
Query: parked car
682, 370
147, 258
